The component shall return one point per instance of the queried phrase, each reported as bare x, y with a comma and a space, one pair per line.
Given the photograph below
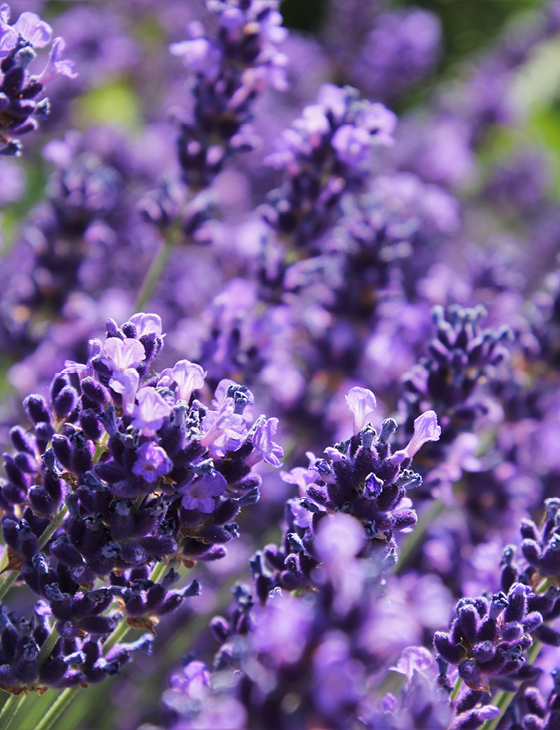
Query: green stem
8, 582
118, 635
57, 708
456, 687
157, 571
11, 706
157, 266
55, 523
408, 548
47, 647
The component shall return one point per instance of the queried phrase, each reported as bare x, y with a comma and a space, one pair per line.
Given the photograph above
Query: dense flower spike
326, 247
19, 89
489, 638
362, 477
143, 474
323, 155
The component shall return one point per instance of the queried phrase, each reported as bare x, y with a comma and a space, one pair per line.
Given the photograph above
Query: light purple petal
33, 29
362, 404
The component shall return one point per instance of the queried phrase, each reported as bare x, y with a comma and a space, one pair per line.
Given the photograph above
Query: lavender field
280, 365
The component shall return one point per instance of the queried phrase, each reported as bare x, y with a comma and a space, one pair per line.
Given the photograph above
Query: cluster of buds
228, 71
489, 638
19, 108
461, 355
124, 469
361, 477
324, 154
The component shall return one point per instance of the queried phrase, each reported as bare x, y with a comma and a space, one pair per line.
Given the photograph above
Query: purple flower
146, 324
202, 491
151, 462
362, 404
413, 658
123, 354
189, 377
262, 433
149, 412
126, 383
352, 144
425, 429
56, 65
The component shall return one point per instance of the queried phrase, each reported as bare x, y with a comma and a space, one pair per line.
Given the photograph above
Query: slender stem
408, 548
11, 706
456, 687
157, 571
118, 635
55, 523
8, 582
57, 708
157, 266
47, 647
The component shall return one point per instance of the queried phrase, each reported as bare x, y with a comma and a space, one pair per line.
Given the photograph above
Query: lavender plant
303, 250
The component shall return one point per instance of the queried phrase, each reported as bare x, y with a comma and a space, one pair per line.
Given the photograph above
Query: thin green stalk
57, 708
118, 635
11, 706
55, 523
408, 548
8, 582
157, 266
456, 688
47, 647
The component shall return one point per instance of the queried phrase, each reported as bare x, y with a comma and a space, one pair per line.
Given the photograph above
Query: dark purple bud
517, 603
531, 622
62, 450
531, 552
220, 628
99, 625
484, 651
471, 675
549, 564
14, 474
512, 631
405, 518
91, 425
66, 553
37, 409
447, 649
547, 635
43, 434
95, 391
133, 553
65, 402
468, 620
41, 501
21, 440
158, 546
535, 702
529, 530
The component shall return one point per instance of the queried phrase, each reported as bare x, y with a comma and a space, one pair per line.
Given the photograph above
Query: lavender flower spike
362, 403
426, 428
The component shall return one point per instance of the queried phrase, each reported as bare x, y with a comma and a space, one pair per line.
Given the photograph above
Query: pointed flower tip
362, 404
426, 428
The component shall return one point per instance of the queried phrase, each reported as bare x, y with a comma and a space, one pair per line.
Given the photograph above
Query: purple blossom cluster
293, 217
